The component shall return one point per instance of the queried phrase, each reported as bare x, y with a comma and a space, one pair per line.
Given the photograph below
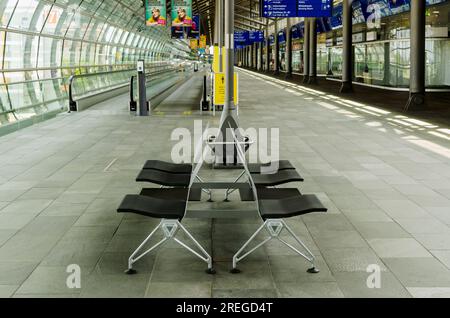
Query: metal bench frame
274, 228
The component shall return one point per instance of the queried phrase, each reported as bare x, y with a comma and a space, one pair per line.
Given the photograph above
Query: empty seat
153, 207
265, 168
181, 168
273, 212
268, 193
171, 211
173, 193
274, 208
164, 178
281, 177
267, 175
290, 206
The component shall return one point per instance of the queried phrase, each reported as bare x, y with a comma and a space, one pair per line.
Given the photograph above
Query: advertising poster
194, 30
194, 44
202, 44
178, 32
181, 13
155, 12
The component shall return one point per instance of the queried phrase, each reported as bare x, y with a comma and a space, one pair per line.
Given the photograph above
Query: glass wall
43, 43
384, 58
297, 56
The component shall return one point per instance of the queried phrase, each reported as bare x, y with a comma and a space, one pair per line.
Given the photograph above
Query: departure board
295, 8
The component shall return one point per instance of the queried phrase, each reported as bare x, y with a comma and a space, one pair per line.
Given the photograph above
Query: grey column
312, 51
218, 31
261, 52
255, 56
251, 56
417, 56
288, 49
306, 52
347, 60
142, 92
267, 53
276, 60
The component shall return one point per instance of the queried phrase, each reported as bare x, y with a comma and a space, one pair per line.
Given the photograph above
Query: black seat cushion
281, 177
289, 207
268, 193
281, 165
153, 207
164, 178
173, 193
182, 168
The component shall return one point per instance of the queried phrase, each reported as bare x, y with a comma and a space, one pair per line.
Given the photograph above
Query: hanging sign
202, 43
194, 29
155, 12
181, 13
295, 8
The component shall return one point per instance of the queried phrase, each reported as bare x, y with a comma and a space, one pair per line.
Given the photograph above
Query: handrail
72, 102
133, 103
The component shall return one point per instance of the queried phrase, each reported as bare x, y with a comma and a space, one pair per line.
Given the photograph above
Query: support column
261, 52
255, 56
347, 60
387, 65
229, 51
267, 53
312, 51
245, 56
251, 56
276, 60
218, 31
417, 56
288, 49
306, 51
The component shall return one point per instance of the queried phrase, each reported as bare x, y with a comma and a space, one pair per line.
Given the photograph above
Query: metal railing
86, 85
149, 78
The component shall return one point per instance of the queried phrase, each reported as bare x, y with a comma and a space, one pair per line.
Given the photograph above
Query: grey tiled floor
385, 178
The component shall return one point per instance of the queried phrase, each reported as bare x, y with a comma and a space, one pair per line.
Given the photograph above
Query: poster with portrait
181, 13
155, 12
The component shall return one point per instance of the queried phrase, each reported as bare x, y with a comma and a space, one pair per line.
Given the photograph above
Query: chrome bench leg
206, 257
170, 229
311, 258
275, 227
132, 258
237, 258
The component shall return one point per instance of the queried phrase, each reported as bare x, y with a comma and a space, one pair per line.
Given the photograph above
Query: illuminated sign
295, 8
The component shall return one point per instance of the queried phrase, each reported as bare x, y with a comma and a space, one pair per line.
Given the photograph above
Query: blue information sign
296, 8
278, 8
241, 37
256, 36
314, 8
281, 37
399, 6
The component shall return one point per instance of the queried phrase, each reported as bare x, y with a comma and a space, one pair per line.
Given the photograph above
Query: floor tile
355, 285
398, 247
419, 272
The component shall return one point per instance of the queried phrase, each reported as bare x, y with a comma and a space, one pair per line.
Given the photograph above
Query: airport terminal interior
224, 148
